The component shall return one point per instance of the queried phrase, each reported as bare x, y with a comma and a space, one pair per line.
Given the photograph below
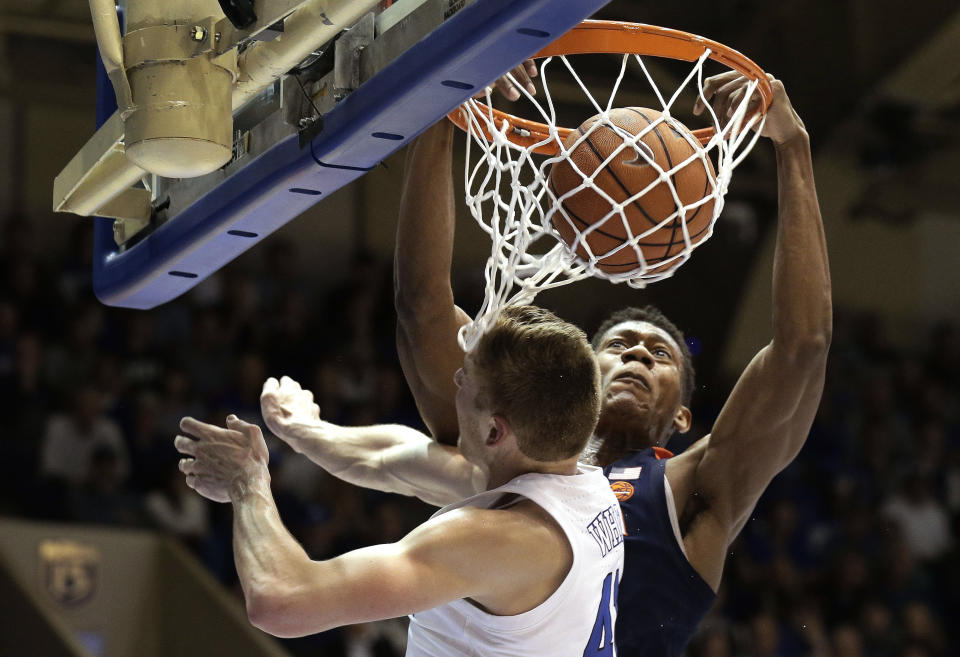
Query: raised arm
427, 318
765, 422
506, 560
390, 458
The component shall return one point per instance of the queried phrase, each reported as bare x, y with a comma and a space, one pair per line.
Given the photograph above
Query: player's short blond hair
540, 373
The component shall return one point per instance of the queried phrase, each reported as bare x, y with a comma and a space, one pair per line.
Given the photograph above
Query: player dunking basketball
681, 512
530, 566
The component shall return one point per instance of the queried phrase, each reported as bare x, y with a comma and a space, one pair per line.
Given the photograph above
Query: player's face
641, 377
470, 417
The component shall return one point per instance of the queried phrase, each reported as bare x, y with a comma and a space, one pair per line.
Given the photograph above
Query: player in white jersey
578, 616
529, 567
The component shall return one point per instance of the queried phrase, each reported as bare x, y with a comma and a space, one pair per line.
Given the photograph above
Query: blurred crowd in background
852, 552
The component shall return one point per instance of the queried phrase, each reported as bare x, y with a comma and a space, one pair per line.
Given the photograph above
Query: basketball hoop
509, 160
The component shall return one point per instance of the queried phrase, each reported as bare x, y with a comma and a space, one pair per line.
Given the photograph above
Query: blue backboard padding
433, 77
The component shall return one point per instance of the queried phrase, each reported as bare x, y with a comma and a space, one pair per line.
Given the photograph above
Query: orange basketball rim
617, 37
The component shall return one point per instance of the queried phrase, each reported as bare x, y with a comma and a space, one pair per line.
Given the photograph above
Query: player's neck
501, 474
605, 448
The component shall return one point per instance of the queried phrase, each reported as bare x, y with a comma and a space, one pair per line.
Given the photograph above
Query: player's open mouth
635, 378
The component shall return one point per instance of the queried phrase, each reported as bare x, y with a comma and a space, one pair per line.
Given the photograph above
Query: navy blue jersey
662, 598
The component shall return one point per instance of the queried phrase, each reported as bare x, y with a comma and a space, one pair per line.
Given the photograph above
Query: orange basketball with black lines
668, 144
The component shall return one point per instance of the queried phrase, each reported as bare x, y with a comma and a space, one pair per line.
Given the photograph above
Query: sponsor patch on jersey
625, 473
622, 489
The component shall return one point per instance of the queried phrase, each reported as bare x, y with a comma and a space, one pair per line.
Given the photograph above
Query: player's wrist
250, 481
798, 138
300, 436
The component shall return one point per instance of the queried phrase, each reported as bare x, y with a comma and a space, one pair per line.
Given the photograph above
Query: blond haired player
530, 566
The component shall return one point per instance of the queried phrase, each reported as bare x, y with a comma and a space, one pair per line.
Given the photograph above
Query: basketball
628, 173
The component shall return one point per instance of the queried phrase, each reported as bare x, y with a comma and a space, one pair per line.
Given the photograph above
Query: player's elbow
813, 346
265, 612
805, 349
275, 612
807, 339
418, 302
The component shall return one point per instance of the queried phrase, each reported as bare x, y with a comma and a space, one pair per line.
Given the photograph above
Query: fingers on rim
699, 105
520, 74
523, 78
728, 88
508, 89
714, 82
734, 99
722, 78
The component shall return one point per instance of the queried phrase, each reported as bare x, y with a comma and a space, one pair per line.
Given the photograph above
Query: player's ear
499, 428
682, 419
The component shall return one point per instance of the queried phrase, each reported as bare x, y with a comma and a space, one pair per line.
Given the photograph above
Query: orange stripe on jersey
662, 453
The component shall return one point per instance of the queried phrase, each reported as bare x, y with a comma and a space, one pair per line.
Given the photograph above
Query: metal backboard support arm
468, 51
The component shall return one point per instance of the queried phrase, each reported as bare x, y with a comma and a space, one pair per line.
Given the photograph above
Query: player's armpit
760, 429
717, 482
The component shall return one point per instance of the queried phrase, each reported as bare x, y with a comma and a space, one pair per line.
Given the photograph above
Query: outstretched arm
765, 422
506, 560
391, 458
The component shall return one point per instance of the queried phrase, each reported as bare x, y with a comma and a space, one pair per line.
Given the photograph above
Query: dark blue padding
434, 76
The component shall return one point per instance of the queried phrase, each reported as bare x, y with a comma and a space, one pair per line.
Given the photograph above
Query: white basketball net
507, 192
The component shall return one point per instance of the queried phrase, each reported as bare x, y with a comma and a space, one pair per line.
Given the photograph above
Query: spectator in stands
175, 509
102, 500
70, 440
922, 519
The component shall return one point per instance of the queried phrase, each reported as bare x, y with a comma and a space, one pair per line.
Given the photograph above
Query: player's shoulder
631, 465
493, 535
515, 517
635, 479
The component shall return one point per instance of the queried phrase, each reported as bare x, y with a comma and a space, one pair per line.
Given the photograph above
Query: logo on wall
70, 570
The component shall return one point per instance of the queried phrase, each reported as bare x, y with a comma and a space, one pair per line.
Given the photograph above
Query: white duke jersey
578, 618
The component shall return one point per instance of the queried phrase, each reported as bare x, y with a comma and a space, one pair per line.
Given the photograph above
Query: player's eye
616, 344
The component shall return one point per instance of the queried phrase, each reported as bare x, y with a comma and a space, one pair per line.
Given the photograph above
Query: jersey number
600, 643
